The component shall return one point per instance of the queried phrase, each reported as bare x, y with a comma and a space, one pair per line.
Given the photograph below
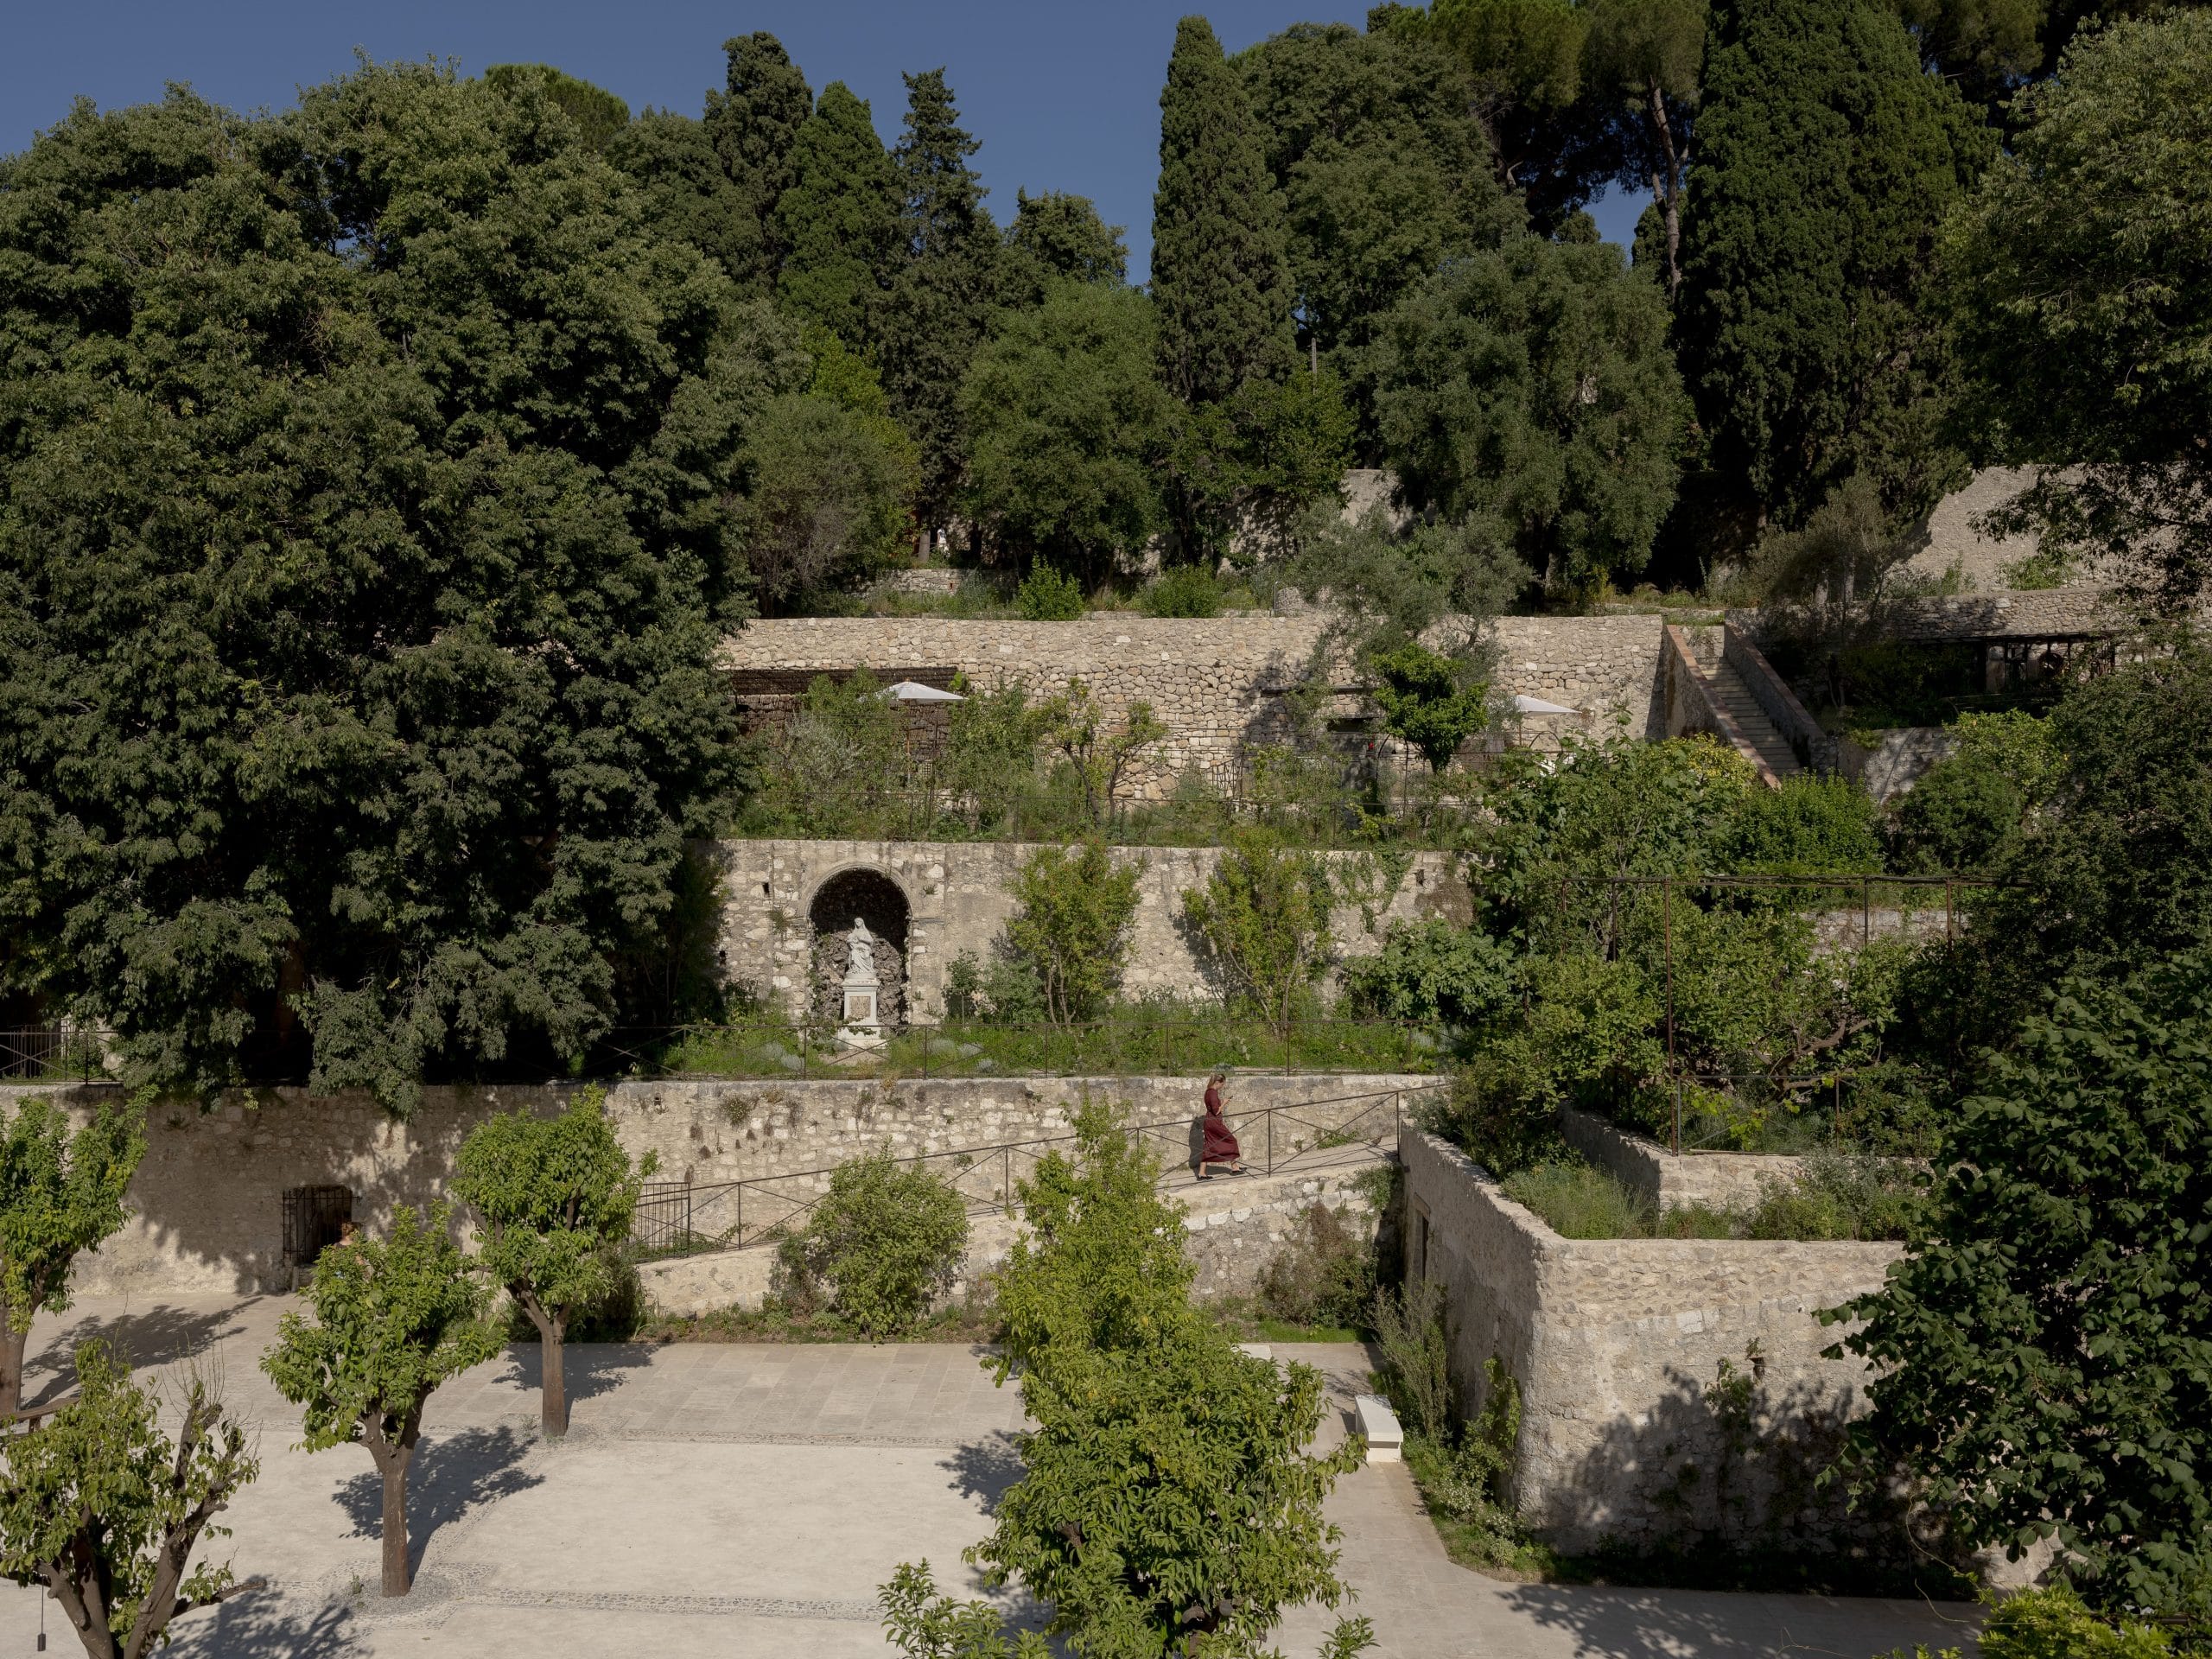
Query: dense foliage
363, 545
2045, 1358
2079, 283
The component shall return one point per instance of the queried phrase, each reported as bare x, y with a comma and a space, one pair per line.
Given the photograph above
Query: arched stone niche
872, 897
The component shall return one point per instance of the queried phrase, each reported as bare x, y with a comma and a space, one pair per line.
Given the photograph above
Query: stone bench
1385, 1439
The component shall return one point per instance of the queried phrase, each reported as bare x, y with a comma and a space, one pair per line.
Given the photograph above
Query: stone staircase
1766, 739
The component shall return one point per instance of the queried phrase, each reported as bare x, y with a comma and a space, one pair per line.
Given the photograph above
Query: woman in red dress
1219, 1145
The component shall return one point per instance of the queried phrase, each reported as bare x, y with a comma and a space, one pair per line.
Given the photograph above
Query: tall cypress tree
838, 222
1827, 159
1220, 280
933, 314
753, 122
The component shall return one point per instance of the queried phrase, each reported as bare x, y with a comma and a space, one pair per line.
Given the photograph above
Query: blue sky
1063, 96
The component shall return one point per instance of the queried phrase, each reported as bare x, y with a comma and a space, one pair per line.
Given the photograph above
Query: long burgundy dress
1221, 1146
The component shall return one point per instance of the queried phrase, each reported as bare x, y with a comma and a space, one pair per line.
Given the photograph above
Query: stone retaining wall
1215, 682
958, 900
208, 1200
1718, 1180
1232, 1231
1617, 1345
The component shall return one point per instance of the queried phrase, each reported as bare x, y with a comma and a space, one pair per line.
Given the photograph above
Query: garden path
746, 1500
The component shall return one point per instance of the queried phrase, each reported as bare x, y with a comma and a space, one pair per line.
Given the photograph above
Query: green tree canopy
60, 1195
1065, 421
1826, 161
2042, 1359
1059, 234
686, 195
1076, 906
363, 550
1167, 1492
1429, 700
1533, 386
553, 1198
2081, 277
1385, 173
393, 1318
102, 1511
753, 122
1264, 915
598, 114
838, 223
1219, 278
888, 1239
942, 289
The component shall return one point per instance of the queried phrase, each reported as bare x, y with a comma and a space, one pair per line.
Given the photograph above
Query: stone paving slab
746, 1500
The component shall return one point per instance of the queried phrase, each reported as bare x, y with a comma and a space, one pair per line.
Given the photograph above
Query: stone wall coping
1668, 1253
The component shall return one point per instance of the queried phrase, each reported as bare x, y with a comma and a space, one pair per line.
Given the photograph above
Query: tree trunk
392, 1460
553, 1389
1668, 189
12, 1342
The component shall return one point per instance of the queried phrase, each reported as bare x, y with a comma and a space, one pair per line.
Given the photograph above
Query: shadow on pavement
452, 1475
587, 1369
260, 1625
161, 1334
1633, 1625
984, 1469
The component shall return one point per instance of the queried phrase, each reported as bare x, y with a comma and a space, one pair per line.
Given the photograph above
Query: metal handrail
669, 1209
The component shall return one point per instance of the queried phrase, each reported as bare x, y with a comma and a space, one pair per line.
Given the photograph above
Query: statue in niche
863, 1024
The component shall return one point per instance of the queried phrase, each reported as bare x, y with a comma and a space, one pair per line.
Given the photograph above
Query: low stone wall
1232, 1230
1718, 1180
208, 1202
1215, 682
958, 900
1617, 1345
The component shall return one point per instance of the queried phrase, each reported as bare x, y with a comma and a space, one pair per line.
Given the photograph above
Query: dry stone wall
959, 900
1215, 682
1231, 1232
1719, 1180
208, 1200
1617, 1346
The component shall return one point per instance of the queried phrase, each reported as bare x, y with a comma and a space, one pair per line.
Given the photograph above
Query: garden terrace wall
1232, 1229
208, 1200
1616, 1345
1718, 1180
1215, 682
958, 900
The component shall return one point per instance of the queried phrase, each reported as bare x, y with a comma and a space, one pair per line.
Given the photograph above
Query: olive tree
61, 1193
103, 1509
394, 1318
1264, 915
554, 1198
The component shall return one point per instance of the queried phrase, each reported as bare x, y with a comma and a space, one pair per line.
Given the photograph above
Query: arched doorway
874, 898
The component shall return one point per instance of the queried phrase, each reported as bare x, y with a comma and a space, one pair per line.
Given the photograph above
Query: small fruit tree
554, 1199
103, 1509
61, 1194
394, 1318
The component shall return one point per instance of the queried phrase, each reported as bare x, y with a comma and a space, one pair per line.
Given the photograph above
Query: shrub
1264, 915
1072, 928
1416, 1348
1324, 1275
1839, 1197
1045, 595
1576, 1201
1810, 825
2053, 1623
887, 1241
1501, 1110
1431, 972
1186, 590
1429, 700
1970, 806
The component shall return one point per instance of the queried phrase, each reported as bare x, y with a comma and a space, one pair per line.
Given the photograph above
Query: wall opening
874, 898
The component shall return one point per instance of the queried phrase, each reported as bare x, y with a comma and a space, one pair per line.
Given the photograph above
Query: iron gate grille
663, 1220
312, 1218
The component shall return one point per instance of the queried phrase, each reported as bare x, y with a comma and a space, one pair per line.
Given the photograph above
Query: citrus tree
394, 1318
1264, 914
103, 1509
61, 1194
554, 1199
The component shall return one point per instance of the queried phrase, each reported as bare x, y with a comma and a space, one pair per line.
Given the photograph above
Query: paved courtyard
746, 1501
